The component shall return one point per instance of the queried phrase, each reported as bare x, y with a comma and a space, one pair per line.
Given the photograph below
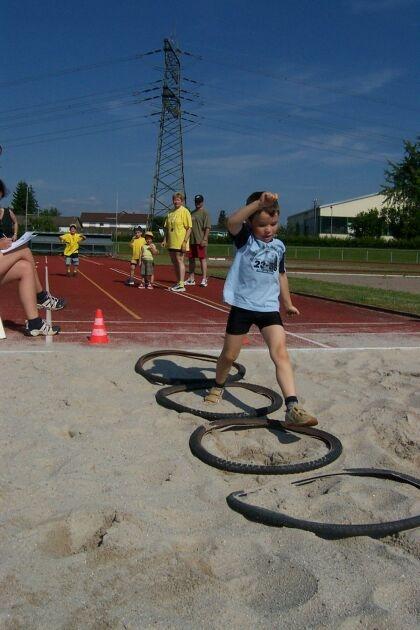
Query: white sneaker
178, 288
204, 282
190, 282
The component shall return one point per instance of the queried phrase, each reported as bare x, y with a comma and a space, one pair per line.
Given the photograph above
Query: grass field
367, 296
337, 254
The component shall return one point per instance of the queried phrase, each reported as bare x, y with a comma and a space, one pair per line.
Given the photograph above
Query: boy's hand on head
267, 199
292, 310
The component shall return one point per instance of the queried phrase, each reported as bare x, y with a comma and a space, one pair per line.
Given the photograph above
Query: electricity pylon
169, 167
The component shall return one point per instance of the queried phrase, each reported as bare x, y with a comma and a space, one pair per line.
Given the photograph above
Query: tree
221, 221
402, 193
23, 191
52, 211
370, 223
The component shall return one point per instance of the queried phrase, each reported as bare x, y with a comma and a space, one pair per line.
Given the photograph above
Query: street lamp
331, 222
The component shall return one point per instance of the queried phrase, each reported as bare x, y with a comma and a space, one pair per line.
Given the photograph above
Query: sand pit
108, 521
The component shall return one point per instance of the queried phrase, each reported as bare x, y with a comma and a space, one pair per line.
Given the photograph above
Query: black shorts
240, 320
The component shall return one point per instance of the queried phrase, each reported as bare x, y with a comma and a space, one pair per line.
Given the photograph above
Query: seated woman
19, 265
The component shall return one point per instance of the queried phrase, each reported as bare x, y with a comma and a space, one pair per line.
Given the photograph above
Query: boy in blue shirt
252, 288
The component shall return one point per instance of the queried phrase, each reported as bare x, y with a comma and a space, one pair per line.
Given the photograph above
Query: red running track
197, 318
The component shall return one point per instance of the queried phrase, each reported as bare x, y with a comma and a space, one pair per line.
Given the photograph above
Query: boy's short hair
138, 229
272, 210
180, 195
73, 225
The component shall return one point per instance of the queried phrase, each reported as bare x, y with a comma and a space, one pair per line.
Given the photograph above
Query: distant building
333, 219
106, 222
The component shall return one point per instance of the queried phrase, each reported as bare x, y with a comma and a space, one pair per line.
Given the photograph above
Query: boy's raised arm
235, 220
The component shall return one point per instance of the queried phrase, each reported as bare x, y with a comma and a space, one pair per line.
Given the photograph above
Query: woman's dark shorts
240, 320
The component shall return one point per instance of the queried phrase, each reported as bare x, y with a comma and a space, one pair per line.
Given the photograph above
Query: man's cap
149, 234
198, 198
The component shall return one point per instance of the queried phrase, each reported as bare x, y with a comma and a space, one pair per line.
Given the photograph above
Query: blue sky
307, 98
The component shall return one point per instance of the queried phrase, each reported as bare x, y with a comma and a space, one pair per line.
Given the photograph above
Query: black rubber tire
161, 380
330, 530
162, 397
197, 448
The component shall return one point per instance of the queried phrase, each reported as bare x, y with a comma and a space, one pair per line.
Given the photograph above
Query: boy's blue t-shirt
253, 279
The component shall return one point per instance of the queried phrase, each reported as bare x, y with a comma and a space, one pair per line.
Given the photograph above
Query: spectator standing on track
201, 225
136, 245
177, 227
8, 221
252, 288
72, 240
148, 251
18, 265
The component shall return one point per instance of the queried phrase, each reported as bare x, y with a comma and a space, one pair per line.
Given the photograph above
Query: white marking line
224, 310
317, 343
48, 317
157, 333
351, 323
92, 261
356, 275
188, 297
26, 351
337, 349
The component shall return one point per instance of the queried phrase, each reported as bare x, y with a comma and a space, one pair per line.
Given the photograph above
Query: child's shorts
240, 320
73, 259
147, 267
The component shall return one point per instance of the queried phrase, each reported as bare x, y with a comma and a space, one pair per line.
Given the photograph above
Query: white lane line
186, 296
157, 333
317, 343
93, 262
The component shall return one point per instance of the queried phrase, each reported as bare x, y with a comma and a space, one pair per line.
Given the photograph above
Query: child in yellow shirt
72, 239
149, 250
136, 245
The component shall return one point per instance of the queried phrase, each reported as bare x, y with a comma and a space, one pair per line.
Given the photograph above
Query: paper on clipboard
25, 238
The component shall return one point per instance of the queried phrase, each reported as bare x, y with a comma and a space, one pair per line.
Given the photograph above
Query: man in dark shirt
198, 240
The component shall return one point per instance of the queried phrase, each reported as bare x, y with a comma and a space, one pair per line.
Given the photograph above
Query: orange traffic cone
99, 334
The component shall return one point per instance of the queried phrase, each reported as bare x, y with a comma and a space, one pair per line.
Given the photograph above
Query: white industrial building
333, 219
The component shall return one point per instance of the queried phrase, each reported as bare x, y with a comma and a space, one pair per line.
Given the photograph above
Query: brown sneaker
215, 395
297, 416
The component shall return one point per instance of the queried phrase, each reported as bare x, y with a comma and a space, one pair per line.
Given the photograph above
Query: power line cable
305, 83
75, 69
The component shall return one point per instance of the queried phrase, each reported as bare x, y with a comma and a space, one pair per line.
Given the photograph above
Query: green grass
215, 250
339, 254
394, 300
368, 296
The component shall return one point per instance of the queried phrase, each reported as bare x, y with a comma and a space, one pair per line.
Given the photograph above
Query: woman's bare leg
22, 272
181, 265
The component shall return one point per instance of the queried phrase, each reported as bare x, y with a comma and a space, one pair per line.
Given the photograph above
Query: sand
108, 521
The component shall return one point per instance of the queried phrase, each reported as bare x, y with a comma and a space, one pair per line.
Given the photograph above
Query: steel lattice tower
169, 168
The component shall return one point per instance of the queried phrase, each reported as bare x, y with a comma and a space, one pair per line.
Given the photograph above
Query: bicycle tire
162, 380
197, 448
162, 397
330, 530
